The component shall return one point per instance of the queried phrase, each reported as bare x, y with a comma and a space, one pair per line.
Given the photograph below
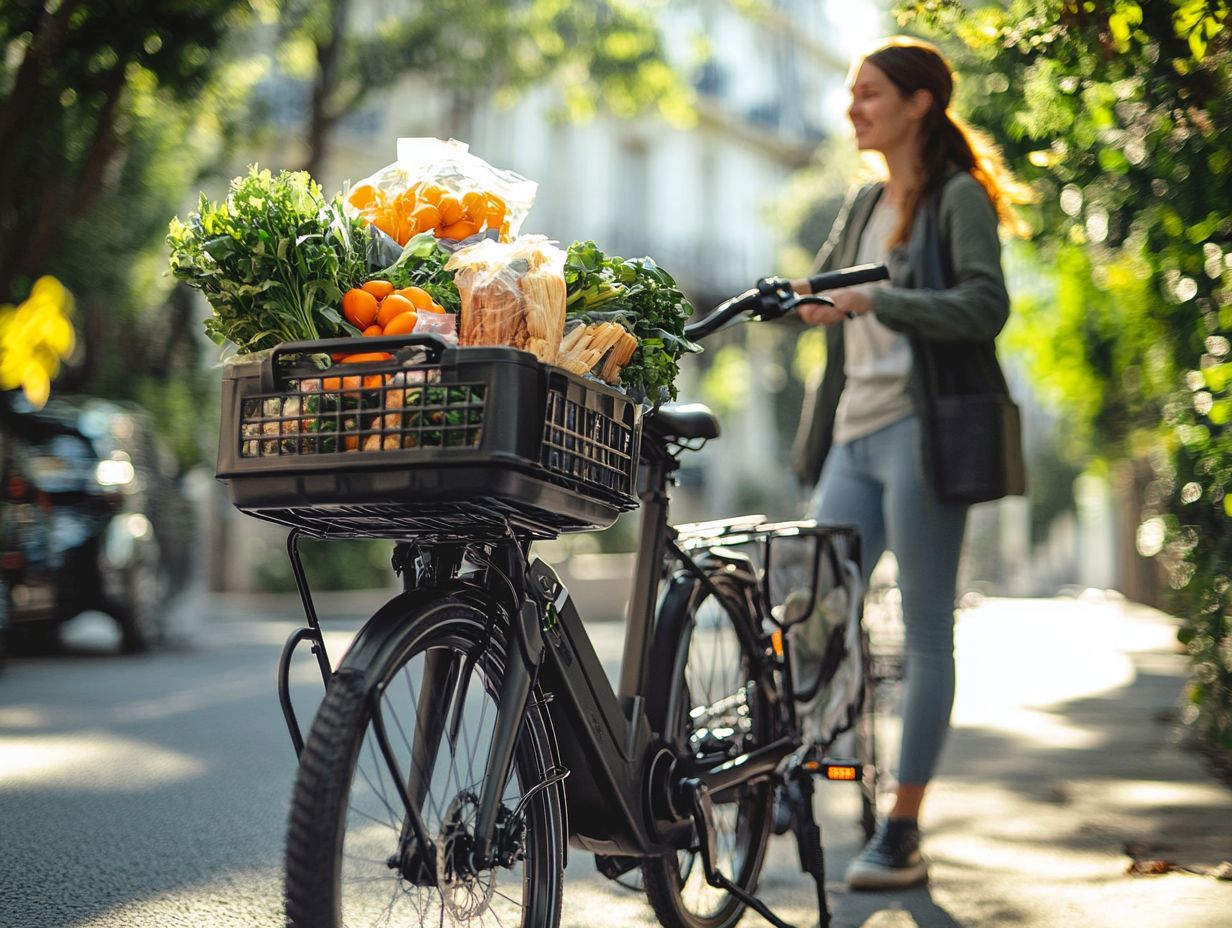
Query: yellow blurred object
34, 337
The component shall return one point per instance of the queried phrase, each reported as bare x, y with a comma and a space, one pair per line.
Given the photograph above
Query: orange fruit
451, 210
431, 193
364, 357
379, 288
393, 305
334, 384
475, 205
463, 228
362, 196
437, 308
495, 211
359, 307
385, 220
401, 324
373, 330
426, 217
419, 298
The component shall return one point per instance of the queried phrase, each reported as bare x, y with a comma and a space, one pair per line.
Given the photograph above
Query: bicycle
470, 735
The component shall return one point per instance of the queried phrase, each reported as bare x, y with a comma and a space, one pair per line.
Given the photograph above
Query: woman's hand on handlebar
848, 302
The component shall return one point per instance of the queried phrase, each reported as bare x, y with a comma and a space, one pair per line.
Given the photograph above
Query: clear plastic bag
443, 324
512, 294
440, 187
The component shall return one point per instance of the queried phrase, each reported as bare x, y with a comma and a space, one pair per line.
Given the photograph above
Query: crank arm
755, 764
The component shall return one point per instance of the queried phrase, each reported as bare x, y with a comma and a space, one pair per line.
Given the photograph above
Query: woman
865, 421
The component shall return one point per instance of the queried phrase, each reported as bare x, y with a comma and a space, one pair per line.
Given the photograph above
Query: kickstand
698, 797
798, 793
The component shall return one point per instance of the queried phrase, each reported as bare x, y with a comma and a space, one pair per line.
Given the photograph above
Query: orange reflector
840, 772
811, 766
776, 641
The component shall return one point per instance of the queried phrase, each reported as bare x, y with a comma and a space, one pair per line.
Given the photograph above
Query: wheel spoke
374, 887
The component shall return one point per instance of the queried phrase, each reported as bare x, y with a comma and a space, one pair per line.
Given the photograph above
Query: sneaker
891, 859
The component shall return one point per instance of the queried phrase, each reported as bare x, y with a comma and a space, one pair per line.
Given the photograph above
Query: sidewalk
1064, 753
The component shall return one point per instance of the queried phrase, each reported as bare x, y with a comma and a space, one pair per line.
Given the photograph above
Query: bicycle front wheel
717, 709
420, 733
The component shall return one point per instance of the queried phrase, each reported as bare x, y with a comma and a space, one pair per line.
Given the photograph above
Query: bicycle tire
344, 820
699, 644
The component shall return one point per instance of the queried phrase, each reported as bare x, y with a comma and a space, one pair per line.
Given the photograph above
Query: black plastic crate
435, 443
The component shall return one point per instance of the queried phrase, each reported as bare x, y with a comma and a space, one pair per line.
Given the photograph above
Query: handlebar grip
849, 277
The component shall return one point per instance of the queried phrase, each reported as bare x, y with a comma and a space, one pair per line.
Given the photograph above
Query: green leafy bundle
643, 298
273, 259
422, 264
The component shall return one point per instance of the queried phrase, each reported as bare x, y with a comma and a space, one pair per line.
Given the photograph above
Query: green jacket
973, 311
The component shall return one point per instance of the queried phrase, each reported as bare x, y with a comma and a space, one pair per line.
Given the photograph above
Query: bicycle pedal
834, 769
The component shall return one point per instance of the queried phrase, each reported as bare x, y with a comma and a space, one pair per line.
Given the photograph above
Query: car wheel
141, 615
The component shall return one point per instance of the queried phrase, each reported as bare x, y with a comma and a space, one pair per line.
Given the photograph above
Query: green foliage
273, 259
109, 113
1120, 114
607, 54
642, 297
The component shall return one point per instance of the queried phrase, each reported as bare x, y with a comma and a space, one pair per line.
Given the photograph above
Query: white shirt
877, 360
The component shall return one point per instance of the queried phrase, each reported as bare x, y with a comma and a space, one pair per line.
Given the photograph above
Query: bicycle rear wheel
435, 696
716, 709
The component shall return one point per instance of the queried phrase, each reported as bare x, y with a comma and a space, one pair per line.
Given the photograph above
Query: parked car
92, 516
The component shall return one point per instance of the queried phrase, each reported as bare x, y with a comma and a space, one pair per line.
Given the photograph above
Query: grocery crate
435, 443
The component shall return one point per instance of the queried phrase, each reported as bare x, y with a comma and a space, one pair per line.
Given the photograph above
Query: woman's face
883, 118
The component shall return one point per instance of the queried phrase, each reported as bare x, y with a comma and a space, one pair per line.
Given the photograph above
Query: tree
109, 113
1120, 113
472, 49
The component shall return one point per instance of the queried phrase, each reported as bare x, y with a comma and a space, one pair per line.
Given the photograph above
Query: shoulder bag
972, 431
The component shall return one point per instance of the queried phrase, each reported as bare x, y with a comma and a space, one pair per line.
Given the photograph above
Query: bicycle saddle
681, 421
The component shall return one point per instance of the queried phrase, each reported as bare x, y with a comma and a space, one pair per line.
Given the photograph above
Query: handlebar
773, 297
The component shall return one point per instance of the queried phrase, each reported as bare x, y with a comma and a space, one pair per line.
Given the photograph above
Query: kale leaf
644, 298
273, 259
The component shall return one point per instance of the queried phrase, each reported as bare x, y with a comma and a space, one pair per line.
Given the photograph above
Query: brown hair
946, 141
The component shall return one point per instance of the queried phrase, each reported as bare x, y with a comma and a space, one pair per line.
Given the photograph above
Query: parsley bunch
273, 259
643, 298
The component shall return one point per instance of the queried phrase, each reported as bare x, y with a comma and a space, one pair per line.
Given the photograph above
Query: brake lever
777, 299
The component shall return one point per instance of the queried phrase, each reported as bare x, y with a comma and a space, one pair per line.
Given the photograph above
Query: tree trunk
321, 119
54, 216
29, 73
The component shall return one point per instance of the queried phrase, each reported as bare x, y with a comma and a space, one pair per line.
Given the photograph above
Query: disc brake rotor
465, 893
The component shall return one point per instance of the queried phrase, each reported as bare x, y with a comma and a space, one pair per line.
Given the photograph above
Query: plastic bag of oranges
440, 187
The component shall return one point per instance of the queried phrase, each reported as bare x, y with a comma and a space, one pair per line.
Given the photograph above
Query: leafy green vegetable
273, 259
422, 264
644, 298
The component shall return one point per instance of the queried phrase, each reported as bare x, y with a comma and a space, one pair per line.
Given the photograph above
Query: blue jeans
875, 483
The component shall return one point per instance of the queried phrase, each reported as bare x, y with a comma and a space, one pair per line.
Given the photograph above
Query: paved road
152, 791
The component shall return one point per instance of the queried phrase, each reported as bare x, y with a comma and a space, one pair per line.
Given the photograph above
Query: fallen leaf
1150, 867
